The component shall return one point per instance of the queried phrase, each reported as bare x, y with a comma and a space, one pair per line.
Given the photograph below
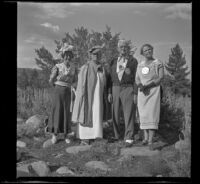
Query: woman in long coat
88, 105
148, 78
64, 78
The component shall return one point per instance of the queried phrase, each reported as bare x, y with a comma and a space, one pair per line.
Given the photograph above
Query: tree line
83, 40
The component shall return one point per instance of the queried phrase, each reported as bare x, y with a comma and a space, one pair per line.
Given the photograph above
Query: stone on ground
64, 170
182, 144
97, 165
47, 143
23, 174
21, 144
41, 168
77, 149
138, 151
36, 121
23, 168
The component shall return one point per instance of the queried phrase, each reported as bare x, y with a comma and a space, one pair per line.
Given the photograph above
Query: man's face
122, 50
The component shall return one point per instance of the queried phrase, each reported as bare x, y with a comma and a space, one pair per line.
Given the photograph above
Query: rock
23, 174
23, 168
47, 143
182, 144
64, 170
97, 165
76, 149
41, 168
37, 121
35, 125
138, 151
21, 144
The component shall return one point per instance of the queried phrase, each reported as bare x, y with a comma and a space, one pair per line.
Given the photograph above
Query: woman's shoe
144, 142
67, 141
54, 139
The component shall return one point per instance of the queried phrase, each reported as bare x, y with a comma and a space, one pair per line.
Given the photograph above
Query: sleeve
135, 88
75, 80
109, 79
54, 73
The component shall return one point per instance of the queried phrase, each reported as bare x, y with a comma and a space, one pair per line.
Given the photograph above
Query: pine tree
177, 67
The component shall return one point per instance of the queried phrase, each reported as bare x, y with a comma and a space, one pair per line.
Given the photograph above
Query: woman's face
68, 57
96, 57
147, 52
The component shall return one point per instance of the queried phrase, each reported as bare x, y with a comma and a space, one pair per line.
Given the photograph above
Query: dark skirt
60, 118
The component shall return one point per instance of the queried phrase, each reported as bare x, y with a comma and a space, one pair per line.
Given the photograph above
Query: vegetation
34, 92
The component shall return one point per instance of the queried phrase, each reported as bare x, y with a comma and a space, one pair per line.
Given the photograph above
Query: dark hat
96, 49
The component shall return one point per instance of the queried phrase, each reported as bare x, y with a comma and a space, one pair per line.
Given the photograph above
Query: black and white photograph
103, 90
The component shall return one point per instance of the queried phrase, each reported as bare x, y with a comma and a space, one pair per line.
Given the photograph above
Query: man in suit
122, 91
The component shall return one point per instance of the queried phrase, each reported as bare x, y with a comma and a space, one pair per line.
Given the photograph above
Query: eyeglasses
147, 50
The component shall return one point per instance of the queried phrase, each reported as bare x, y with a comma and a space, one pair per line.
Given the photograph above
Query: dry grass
33, 101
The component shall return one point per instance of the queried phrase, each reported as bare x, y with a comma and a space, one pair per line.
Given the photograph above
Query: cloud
82, 4
182, 11
49, 25
57, 10
35, 40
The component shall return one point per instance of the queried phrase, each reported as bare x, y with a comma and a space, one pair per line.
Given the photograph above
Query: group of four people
127, 85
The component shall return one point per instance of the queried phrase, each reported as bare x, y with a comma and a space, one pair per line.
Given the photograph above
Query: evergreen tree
45, 61
177, 67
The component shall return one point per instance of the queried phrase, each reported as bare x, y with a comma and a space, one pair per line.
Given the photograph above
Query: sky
160, 24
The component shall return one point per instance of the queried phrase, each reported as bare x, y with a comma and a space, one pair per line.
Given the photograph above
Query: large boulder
182, 144
35, 125
37, 121
41, 168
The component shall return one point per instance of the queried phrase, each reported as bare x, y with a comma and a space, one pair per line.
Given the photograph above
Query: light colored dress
97, 130
149, 106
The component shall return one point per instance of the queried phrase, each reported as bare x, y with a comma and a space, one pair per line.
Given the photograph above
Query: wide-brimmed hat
66, 47
96, 49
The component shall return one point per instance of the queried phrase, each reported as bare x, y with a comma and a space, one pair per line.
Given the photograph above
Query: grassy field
175, 120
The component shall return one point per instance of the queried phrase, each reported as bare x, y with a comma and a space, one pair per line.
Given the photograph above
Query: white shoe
129, 141
54, 139
67, 141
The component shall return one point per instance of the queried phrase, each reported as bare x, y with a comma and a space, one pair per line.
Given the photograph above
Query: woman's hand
141, 87
110, 98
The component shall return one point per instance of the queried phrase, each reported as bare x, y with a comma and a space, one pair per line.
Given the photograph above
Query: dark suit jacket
128, 78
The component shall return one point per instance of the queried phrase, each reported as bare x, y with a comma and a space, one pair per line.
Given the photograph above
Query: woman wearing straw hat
88, 105
63, 77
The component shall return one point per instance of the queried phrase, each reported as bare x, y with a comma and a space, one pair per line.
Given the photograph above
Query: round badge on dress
127, 71
145, 70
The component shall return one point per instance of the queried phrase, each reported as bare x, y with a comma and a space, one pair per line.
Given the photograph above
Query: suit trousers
125, 96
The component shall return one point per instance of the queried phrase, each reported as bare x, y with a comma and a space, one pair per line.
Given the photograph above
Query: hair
145, 45
67, 53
